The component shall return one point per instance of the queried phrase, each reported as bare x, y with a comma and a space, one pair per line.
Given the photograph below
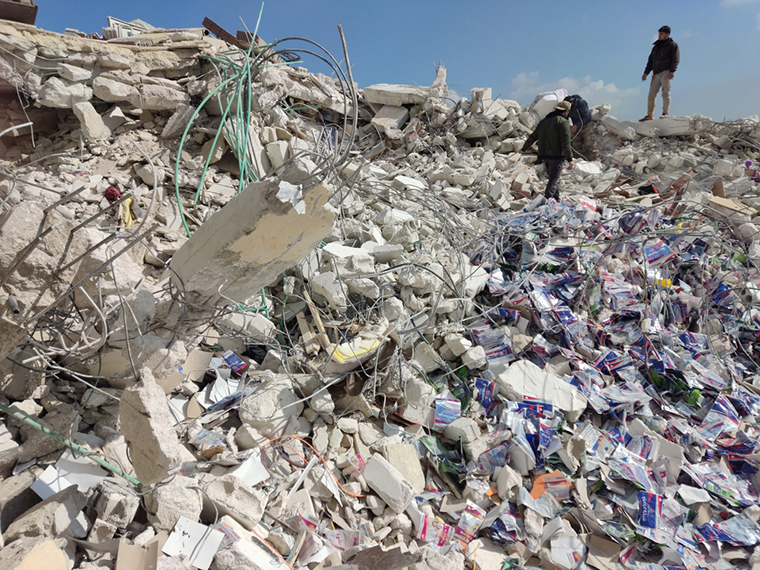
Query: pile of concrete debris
255, 317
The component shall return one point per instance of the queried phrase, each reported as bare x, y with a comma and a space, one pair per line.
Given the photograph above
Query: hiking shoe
664, 116
646, 118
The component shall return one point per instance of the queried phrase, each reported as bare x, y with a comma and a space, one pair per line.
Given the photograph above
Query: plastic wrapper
736, 490
494, 458
495, 343
343, 539
650, 509
358, 463
546, 505
469, 524
435, 531
446, 411
485, 393
737, 531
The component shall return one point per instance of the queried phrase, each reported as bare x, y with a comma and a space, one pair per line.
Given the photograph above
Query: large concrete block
388, 483
117, 503
61, 94
33, 553
674, 126
171, 501
16, 497
233, 497
92, 125
404, 457
623, 129
159, 98
397, 95
36, 281
523, 378
146, 424
347, 261
36, 443
16, 382
278, 153
113, 91
465, 429
271, 405
390, 117
177, 123
251, 241
73, 73
8, 451
244, 553
50, 518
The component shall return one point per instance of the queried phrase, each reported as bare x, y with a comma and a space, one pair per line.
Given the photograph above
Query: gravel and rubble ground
256, 317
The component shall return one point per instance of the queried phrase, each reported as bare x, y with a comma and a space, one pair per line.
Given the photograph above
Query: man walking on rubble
584, 143
553, 135
662, 62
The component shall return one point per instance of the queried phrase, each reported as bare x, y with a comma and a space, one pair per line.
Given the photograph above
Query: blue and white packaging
446, 411
650, 509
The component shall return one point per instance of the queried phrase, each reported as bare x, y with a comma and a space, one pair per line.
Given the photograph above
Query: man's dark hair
665, 29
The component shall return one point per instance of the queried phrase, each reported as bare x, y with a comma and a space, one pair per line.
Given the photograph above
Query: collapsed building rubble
256, 317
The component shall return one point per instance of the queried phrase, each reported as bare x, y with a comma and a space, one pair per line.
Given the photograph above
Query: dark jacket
579, 113
553, 135
664, 57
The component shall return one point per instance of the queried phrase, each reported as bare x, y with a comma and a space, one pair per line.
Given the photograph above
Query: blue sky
597, 48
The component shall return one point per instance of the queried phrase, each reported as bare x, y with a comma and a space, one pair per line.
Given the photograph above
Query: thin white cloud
624, 102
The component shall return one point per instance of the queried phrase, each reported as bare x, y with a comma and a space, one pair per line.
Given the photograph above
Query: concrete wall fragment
145, 422
250, 241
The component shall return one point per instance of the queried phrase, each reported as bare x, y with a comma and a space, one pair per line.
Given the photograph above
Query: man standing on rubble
662, 62
553, 135
582, 130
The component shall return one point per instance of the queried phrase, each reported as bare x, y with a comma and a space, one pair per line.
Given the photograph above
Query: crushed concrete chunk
50, 518
145, 422
404, 458
523, 378
272, 404
389, 483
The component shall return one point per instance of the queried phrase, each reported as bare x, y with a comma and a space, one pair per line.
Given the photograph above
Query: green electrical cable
263, 307
221, 86
179, 155
68, 443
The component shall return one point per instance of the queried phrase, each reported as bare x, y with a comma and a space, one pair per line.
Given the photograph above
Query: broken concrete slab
61, 94
269, 408
50, 518
246, 552
145, 421
16, 497
395, 95
523, 378
117, 503
91, 123
619, 128
31, 553
390, 117
9, 452
404, 458
171, 501
464, 429
36, 443
388, 483
178, 122
228, 495
250, 241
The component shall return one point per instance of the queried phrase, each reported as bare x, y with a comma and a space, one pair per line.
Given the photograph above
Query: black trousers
553, 169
